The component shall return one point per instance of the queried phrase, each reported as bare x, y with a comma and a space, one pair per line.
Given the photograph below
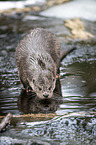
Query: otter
38, 58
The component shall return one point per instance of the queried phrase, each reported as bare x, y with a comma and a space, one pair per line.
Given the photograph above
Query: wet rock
77, 29
55, 2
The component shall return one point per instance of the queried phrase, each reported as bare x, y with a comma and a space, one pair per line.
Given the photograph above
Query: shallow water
4, 5
78, 85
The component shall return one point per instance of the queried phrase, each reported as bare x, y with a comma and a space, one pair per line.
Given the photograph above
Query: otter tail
66, 52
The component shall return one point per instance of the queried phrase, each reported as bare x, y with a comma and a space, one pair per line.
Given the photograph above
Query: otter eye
53, 80
50, 88
40, 89
33, 81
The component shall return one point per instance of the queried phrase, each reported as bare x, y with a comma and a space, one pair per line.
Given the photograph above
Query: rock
77, 29
55, 2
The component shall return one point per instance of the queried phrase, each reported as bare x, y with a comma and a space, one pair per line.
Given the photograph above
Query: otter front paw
29, 90
57, 76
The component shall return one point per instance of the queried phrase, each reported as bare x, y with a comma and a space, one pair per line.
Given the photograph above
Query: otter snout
45, 95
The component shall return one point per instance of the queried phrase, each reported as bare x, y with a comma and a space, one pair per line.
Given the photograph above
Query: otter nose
46, 95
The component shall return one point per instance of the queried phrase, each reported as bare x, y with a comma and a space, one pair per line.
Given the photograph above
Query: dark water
78, 85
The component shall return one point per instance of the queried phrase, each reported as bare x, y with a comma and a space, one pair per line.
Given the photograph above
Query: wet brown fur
38, 58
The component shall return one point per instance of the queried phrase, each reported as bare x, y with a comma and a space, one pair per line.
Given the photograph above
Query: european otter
38, 59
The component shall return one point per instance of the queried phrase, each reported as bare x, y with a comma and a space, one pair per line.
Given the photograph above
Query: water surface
78, 86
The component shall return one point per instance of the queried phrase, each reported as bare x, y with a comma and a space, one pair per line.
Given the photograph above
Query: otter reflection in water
31, 103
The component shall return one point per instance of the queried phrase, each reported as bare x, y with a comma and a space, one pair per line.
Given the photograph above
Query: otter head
43, 75
43, 84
